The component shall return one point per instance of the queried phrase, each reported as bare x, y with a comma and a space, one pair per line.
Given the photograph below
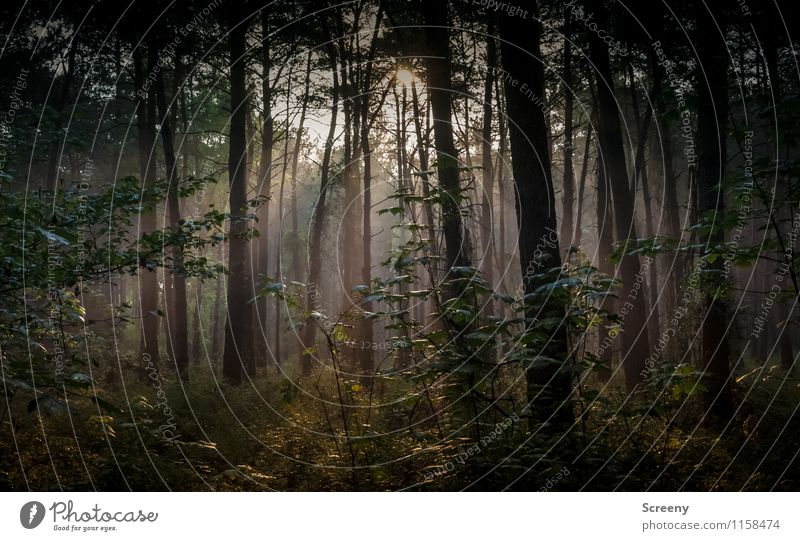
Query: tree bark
175, 300
712, 121
635, 341
347, 256
671, 206
279, 248
264, 189
148, 278
298, 143
317, 223
487, 203
217, 326
587, 145
640, 176
568, 201
366, 360
238, 357
440, 96
198, 346
549, 384
424, 161
605, 242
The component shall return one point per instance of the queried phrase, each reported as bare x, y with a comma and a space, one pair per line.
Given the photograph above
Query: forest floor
271, 436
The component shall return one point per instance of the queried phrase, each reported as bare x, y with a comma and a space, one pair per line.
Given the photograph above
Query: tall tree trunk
471, 191
198, 346
317, 223
278, 259
654, 319
238, 357
640, 176
403, 183
423, 144
549, 384
347, 256
217, 327
502, 167
366, 360
635, 341
587, 145
148, 278
675, 267
605, 242
440, 95
712, 121
424, 163
175, 300
264, 183
568, 202
296, 270
298, 143
487, 203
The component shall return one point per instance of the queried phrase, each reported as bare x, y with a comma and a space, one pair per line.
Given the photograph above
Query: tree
148, 279
487, 204
568, 202
712, 115
317, 223
367, 120
635, 342
175, 300
238, 357
549, 383
264, 180
447, 164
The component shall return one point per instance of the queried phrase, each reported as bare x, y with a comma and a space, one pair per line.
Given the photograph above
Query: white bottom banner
401, 516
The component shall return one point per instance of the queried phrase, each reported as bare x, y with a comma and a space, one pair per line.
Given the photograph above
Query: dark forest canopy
399, 244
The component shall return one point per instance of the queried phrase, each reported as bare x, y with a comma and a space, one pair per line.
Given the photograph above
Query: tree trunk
640, 176
423, 144
502, 167
217, 327
487, 203
198, 346
347, 256
279, 248
403, 186
298, 143
264, 189
587, 146
440, 95
712, 120
366, 360
633, 313
549, 384
238, 357
148, 278
317, 222
175, 300
297, 271
671, 207
568, 201
605, 241
424, 164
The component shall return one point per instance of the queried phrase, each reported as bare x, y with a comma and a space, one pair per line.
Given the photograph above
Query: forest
399, 245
